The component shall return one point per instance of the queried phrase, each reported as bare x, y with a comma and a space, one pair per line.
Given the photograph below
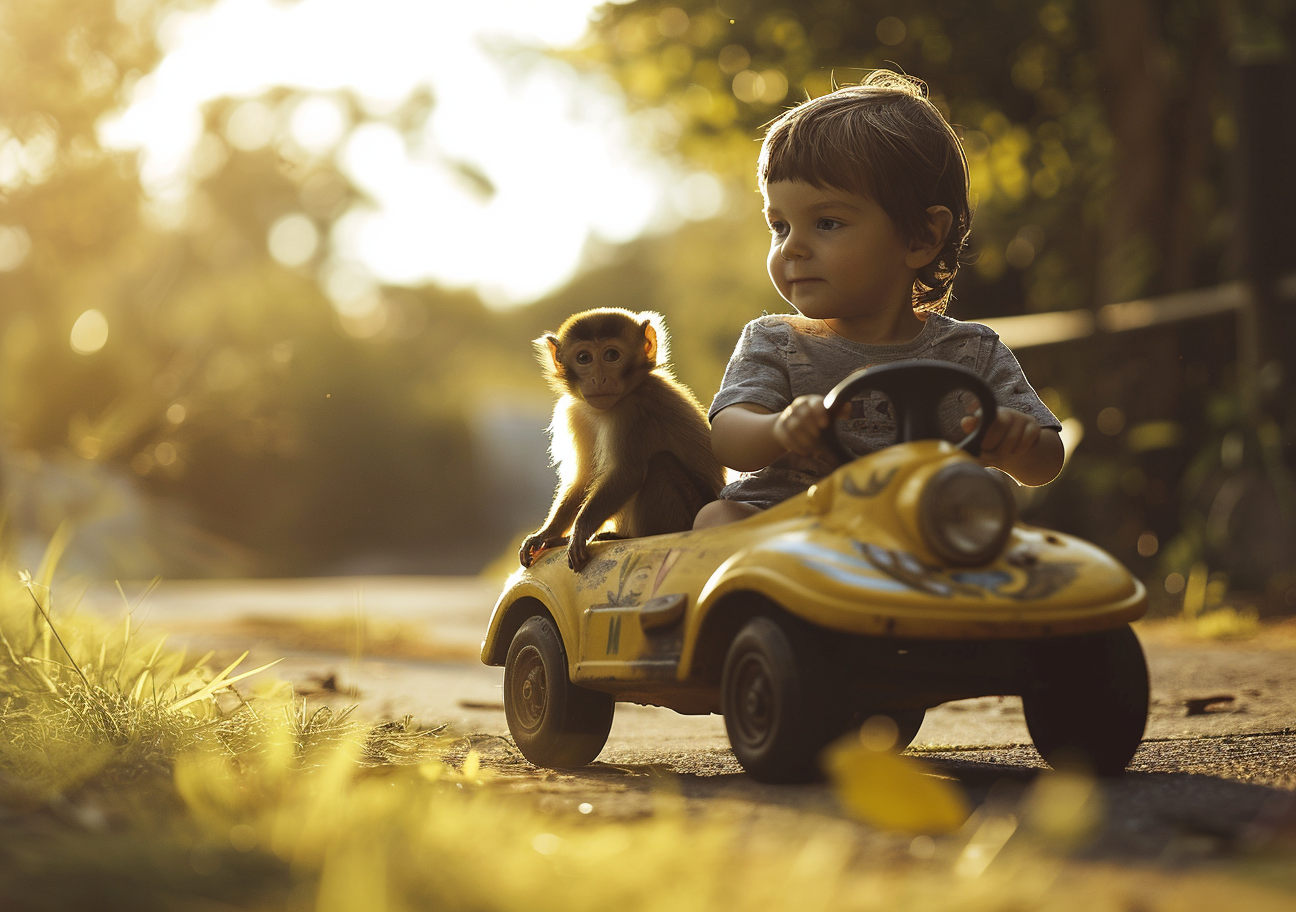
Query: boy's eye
778, 228
827, 224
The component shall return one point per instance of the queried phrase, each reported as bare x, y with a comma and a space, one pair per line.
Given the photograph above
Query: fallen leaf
892, 792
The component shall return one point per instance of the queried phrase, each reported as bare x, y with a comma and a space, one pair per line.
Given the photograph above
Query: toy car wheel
554, 722
1088, 703
771, 703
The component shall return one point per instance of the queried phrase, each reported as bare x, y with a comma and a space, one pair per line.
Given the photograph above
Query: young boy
866, 194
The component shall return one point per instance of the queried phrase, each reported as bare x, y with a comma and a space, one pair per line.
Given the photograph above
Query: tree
1098, 134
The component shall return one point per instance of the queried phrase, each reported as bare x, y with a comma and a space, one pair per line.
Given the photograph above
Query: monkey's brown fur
631, 442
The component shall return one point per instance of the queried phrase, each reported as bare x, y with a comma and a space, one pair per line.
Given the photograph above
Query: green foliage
1077, 151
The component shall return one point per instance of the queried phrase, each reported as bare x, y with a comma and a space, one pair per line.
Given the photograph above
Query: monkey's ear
657, 342
547, 352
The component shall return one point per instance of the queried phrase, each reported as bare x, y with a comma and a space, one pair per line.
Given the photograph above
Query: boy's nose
792, 248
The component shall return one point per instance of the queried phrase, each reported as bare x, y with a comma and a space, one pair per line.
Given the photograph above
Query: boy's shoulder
781, 322
944, 326
938, 332
786, 327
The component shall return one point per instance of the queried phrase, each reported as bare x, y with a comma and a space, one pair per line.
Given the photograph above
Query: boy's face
836, 255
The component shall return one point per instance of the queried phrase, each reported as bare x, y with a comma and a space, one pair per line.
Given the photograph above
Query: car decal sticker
836, 566
875, 486
632, 581
672, 556
914, 573
1042, 579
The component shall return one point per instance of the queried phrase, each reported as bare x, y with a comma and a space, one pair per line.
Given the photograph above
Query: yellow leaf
471, 765
892, 792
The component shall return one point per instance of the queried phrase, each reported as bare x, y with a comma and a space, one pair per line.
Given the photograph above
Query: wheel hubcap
753, 701
530, 690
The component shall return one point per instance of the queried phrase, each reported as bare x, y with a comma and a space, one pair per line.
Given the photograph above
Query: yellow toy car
899, 582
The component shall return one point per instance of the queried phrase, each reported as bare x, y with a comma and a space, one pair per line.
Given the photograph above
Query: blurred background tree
200, 382
276, 434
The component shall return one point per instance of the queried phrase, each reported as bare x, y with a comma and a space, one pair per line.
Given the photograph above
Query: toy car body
899, 582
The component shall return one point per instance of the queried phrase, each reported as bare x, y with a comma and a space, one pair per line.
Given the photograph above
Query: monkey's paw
534, 544
577, 555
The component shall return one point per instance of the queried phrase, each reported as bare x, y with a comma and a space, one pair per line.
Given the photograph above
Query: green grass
134, 779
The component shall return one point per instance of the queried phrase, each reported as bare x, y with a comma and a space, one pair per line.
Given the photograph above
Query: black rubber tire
555, 723
772, 703
1087, 705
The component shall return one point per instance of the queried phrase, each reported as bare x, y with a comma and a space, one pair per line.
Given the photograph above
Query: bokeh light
1148, 544
892, 31
293, 239
15, 244
317, 124
250, 126
89, 332
1111, 421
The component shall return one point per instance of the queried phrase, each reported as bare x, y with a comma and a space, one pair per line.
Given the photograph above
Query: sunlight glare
563, 163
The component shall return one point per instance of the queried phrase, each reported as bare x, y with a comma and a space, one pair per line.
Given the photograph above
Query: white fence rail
1068, 325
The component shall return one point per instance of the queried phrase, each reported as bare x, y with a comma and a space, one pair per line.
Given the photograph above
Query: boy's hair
882, 139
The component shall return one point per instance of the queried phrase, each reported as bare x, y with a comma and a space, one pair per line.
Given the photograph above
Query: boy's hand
799, 427
1011, 432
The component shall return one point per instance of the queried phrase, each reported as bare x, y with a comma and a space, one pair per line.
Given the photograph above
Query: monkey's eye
611, 355
584, 358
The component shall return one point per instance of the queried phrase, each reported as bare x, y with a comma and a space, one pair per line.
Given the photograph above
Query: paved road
452, 612
1200, 785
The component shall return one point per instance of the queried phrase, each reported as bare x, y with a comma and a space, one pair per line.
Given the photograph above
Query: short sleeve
757, 372
1004, 376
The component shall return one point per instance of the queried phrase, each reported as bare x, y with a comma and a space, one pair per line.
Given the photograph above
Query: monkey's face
603, 371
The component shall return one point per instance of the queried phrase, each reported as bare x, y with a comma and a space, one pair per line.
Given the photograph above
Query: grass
133, 778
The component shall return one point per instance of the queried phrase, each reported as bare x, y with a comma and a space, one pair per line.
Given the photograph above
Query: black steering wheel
915, 389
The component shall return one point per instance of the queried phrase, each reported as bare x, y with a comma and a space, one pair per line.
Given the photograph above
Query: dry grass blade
219, 683
52, 629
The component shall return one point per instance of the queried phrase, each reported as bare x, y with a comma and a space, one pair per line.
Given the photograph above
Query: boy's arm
1018, 445
748, 437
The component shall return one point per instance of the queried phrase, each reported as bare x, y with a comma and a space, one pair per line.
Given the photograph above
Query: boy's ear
924, 248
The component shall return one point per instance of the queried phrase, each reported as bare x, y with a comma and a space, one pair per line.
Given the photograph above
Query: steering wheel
915, 389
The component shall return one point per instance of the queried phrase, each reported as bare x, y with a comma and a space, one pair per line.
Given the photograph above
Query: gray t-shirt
783, 356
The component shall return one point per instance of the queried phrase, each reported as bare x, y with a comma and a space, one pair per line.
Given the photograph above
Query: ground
1215, 777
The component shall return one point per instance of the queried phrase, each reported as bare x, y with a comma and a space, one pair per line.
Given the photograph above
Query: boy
866, 194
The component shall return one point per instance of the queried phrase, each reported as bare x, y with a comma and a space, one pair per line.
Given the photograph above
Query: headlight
966, 514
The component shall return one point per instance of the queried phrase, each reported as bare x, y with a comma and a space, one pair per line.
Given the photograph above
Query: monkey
631, 442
